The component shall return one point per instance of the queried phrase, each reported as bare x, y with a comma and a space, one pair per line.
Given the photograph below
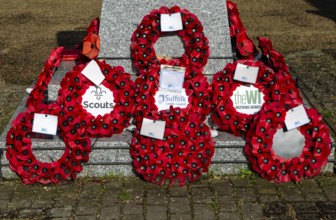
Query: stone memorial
119, 19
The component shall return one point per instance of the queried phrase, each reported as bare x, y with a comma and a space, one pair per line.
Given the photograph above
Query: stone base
110, 156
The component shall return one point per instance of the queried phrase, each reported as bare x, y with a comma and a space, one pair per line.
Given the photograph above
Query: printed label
153, 129
247, 99
296, 117
45, 124
172, 77
164, 99
171, 22
246, 73
98, 100
93, 73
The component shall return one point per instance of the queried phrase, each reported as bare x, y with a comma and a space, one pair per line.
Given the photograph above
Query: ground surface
303, 30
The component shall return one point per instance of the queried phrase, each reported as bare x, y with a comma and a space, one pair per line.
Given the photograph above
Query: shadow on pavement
325, 8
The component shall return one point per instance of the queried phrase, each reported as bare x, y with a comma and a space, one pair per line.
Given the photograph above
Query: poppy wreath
75, 84
272, 57
223, 87
196, 88
37, 95
241, 42
260, 153
21, 156
181, 157
149, 31
91, 42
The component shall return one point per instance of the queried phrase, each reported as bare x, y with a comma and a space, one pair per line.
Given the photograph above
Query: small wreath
196, 89
183, 155
74, 85
21, 157
37, 95
149, 30
224, 113
271, 166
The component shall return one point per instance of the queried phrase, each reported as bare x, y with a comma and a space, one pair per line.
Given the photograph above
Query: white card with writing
164, 99
45, 124
245, 73
153, 128
172, 77
296, 117
93, 73
171, 22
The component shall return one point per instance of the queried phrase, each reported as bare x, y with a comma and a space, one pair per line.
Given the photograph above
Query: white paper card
246, 73
93, 73
172, 77
164, 99
296, 117
153, 129
45, 124
171, 22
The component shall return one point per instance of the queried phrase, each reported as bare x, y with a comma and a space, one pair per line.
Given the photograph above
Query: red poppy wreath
181, 157
196, 97
107, 108
235, 102
149, 31
301, 154
37, 95
21, 156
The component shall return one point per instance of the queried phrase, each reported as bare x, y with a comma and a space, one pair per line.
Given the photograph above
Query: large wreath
74, 86
264, 160
181, 157
21, 156
148, 32
196, 88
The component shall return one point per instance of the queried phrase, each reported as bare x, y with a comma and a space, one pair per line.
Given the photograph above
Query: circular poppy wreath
21, 156
223, 86
37, 95
149, 31
181, 157
259, 146
196, 88
73, 87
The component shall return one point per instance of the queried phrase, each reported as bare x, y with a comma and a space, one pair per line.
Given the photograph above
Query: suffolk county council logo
98, 100
164, 100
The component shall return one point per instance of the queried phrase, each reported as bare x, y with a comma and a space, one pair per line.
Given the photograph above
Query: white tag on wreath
171, 22
98, 100
93, 73
246, 73
296, 117
152, 128
45, 124
172, 77
164, 99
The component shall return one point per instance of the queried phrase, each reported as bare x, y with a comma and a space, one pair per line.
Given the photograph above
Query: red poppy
265, 45
91, 46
